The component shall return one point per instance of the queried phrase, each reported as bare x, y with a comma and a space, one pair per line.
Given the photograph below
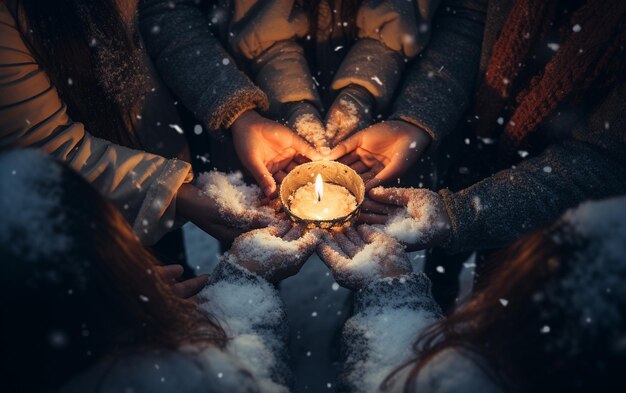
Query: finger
349, 159
346, 244
370, 206
171, 272
392, 195
393, 169
368, 233
290, 167
345, 147
280, 163
365, 218
367, 176
191, 287
330, 252
307, 243
359, 167
354, 237
300, 159
280, 176
294, 233
262, 176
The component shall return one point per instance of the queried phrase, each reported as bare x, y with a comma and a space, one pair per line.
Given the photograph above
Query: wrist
186, 200
244, 122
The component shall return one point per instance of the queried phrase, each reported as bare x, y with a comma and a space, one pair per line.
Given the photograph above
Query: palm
382, 151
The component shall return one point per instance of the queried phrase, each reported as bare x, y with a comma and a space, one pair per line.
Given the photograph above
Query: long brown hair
100, 295
93, 58
591, 55
502, 328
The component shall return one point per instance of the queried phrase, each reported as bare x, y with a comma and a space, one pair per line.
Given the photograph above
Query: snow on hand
236, 201
418, 221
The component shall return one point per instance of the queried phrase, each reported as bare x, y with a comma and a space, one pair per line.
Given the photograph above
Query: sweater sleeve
194, 64
143, 186
253, 316
437, 88
390, 32
389, 315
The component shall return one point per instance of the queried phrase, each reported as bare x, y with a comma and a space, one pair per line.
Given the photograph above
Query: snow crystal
311, 129
413, 145
377, 80
545, 329
553, 46
177, 128
576, 28
504, 302
30, 200
236, 201
547, 169
197, 129
440, 269
226, 61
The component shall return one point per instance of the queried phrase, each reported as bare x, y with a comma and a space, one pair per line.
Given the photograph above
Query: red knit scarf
591, 52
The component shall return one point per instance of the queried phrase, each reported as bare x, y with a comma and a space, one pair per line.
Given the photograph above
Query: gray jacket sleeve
590, 165
389, 315
253, 316
194, 64
390, 32
438, 85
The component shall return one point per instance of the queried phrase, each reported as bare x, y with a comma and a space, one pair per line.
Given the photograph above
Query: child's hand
358, 257
304, 118
274, 253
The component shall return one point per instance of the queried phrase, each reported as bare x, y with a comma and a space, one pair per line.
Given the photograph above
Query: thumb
345, 147
262, 176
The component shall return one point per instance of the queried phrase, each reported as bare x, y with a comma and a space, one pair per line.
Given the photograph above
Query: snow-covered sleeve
194, 64
253, 316
389, 314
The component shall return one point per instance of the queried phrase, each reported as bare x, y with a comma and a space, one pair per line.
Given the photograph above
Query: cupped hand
358, 257
383, 151
194, 205
416, 216
276, 252
185, 288
266, 147
351, 111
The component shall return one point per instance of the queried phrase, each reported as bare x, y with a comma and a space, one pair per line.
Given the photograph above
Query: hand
351, 111
274, 253
304, 118
195, 206
361, 256
383, 151
185, 289
415, 216
266, 147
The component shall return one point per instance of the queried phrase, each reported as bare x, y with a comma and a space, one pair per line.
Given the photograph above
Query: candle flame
319, 187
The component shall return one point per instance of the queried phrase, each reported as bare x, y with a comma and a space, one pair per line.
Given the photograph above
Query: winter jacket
266, 38
254, 360
585, 160
142, 185
194, 64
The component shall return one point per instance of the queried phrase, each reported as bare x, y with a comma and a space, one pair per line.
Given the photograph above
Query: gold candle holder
332, 172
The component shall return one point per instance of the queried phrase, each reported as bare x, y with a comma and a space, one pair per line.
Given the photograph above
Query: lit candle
322, 201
